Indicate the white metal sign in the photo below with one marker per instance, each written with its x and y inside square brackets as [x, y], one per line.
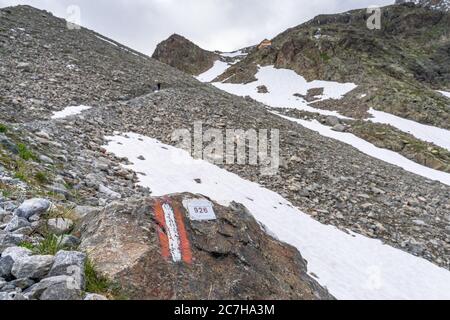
[200, 209]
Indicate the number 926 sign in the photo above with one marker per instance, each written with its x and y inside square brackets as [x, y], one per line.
[200, 210]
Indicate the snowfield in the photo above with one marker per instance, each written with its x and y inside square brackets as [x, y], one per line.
[373, 151]
[218, 68]
[69, 111]
[438, 136]
[233, 54]
[283, 84]
[349, 265]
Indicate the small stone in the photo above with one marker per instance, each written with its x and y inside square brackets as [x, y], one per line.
[55, 288]
[332, 121]
[32, 207]
[69, 241]
[59, 226]
[108, 192]
[339, 128]
[94, 296]
[26, 231]
[24, 66]
[22, 284]
[33, 267]
[46, 159]
[16, 253]
[17, 223]
[70, 263]
[9, 240]
[6, 264]
[141, 158]
[82, 211]
[61, 292]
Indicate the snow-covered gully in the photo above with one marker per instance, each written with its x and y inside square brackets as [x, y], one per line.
[349, 265]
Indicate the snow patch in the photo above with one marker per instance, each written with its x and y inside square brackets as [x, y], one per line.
[233, 54]
[445, 93]
[351, 266]
[218, 68]
[283, 84]
[69, 111]
[438, 136]
[108, 41]
[373, 151]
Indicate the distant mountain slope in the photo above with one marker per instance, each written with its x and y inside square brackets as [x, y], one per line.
[184, 55]
[397, 68]
[442, 5]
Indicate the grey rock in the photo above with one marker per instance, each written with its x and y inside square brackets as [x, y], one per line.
[70, 263]
[6, 264]
[82, 211]
[332, 121]
[60, 283]
[5, 296]
[9, 240]
[32, 207]
[16, 253]
[24, 66]
[69, 241]
[339, 128]
[94, 297]
[26, 231]
[60, 292]
[17, 223]
[33, 267]
[22, 284]
[46, 159]
[108, 192]
[59, 226]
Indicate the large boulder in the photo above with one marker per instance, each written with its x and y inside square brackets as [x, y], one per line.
[32, 267]
[54, 288]
[229, 257]
[70, 263]
[32, 207]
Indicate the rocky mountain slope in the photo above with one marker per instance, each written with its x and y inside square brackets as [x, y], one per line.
[46, 67]
[396, 67]
[184, 55]
[441, 5]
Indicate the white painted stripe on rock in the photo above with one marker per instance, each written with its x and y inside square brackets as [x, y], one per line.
[172, 233]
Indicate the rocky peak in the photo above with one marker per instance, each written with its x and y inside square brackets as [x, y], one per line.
[179, 52]
[441, 5]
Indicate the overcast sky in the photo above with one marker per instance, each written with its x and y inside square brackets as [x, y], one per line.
[223, 25]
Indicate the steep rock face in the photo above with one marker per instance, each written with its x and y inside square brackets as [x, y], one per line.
[397, 68]
[231, 257]
[184, 55]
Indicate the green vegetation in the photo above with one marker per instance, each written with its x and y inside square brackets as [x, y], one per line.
[41, 177]
[96, 283]
[325, 57]
[3, 128]
[49, 246]
[25, 153]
